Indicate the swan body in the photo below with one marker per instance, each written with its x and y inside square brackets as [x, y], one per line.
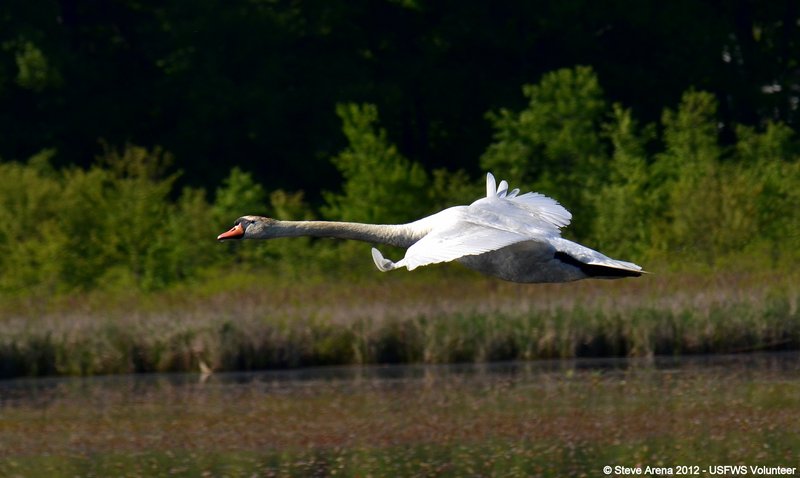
[506, 235]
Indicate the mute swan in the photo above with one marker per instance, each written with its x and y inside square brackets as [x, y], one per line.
[507, 235]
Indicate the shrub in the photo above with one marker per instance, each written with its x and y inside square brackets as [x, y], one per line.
[380, 184]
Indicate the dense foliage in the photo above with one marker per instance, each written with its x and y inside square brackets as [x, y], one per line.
[674, 145]
[254, 83]
[668, 193]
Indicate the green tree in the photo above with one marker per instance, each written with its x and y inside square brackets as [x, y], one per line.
[686, 181]
[30, 239]
[554, 144]
[113, 225]
[238, 196]
[140, 187]
[453, 189]
[380, 184]
[187, 243]
[621, 203]
[769, 165]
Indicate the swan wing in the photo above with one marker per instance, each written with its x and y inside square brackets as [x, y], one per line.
[459, 239]
[590, 256]
[542, 207]
[500, 219]
[538, 206]
[488, 224]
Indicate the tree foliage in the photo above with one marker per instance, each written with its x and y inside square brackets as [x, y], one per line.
[667, 195]
[687, 176]
[111, 225]
[624, 199]
[554, 144]
[380, 184]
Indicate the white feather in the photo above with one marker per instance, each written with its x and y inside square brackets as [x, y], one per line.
[502, 189]
[491, 188]
[459, 239]
[499, 220]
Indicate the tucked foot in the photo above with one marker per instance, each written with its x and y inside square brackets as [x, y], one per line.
[381, 262]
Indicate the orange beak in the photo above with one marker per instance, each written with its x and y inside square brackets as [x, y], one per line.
[236, 232]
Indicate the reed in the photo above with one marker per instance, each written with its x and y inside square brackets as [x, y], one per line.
[246, 322]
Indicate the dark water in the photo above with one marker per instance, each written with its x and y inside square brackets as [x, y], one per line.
[741, 366]
[542, 418]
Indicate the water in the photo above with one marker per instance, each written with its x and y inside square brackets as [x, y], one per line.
[783, 362]
[544, 418]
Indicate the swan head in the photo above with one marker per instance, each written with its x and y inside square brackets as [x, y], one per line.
[248, 227]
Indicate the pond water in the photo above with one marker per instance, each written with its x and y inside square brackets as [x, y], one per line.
[544, 418]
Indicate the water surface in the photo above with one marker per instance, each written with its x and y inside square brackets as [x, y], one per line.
[544, 418]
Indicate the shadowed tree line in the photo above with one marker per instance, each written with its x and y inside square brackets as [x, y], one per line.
[254, 83]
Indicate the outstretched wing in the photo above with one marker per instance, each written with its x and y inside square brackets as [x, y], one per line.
[462, 238]
[591, 257]
[500, 219]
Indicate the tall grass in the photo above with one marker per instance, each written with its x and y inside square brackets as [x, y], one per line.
[250, 322]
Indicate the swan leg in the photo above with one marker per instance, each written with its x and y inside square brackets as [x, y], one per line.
[382, 263]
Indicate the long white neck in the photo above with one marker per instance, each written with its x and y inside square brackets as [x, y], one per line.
[400, 235]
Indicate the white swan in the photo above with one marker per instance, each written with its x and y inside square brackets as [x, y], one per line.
[507, 235]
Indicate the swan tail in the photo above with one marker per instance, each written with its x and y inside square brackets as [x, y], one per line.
[383, 263]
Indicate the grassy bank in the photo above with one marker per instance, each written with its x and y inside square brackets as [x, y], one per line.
[254, 321]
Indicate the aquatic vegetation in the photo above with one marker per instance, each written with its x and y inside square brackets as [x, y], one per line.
[545, 419]
[440, 319]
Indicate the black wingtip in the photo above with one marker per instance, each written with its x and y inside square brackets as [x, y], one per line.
[594, 270]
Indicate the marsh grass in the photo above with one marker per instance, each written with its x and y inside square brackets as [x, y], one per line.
[246, 321]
